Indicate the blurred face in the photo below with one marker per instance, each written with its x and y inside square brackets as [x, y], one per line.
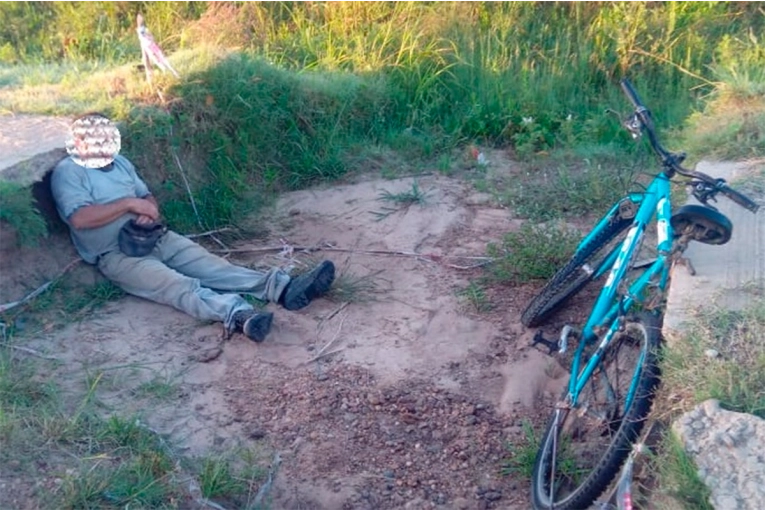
[93, 141]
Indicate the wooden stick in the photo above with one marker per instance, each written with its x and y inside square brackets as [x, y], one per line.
[209, 233]
[266, 487]
[39, 290]
[430, 256]
[323, 321]
[31, 351]
[336, 311]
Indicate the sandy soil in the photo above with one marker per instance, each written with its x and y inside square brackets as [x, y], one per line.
[419, 396]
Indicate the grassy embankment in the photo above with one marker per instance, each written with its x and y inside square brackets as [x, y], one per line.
[280, 96]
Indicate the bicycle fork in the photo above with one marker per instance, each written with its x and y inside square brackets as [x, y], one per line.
[556, 421]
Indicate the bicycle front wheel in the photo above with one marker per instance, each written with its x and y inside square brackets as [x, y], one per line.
[585, 444]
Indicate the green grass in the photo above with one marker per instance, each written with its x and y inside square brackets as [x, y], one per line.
[522, 455]
[400, 201]
[475, 296]
[572, 183]
[66, 300]
[535, 252]
[17, 210]
[690, 375]
[736, 377]
[678, 475]
[231, 475]
[312, 92]
[103, 461]
[413, 196]
[352, 288]
[161, 387]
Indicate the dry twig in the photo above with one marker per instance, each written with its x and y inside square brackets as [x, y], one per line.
[328, 344]
[209, 233]
[266, 487]
[325, 354]
[39, 290]
[30, 351]
[333, 313]
[430, 257]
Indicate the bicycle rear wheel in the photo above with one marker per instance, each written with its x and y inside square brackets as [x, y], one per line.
[572, 278]
[585, 445]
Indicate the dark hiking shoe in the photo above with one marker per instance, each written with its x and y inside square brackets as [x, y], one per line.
[307, 287]
[254, 325]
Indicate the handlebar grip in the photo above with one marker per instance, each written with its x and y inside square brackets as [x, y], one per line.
[631, 94]
[740, 199]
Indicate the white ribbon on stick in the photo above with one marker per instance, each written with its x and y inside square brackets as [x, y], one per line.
[151, 52]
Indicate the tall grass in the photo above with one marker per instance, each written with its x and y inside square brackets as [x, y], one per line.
[305, 88]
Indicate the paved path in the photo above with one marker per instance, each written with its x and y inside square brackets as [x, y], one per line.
[721, 270]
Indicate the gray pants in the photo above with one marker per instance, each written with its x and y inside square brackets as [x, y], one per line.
[183, 274]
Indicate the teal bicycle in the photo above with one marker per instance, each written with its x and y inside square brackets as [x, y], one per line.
[614, 369]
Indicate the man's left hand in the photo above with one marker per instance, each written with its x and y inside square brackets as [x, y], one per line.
[143, 219]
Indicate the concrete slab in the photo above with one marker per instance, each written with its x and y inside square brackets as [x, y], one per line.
[30, 145]
[721, 271]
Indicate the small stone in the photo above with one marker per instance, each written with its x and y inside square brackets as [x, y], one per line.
[297, 443]
[711, 353]
[492, 495]
[461, 504]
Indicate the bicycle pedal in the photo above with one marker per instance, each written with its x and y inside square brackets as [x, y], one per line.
[552, 345]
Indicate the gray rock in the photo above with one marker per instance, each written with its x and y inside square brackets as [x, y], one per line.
[729, 451]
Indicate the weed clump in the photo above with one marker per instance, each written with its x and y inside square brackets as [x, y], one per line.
[17, 210]
[535, 252]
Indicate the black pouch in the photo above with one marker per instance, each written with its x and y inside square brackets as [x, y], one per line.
[138, 240]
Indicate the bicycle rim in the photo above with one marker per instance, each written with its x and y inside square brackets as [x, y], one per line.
[586, 444]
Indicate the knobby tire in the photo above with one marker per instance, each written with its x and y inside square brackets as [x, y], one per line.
[584, 474]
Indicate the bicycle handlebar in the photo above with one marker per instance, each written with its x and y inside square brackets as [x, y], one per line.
[673, 161]
[631, 94]
[739, 198]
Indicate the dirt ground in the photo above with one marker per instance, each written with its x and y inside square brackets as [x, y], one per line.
[415, 396]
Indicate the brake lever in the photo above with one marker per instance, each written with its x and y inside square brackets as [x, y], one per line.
[704, 191]
[634, 125]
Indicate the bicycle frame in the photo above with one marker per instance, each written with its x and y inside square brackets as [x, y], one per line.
[608, 310]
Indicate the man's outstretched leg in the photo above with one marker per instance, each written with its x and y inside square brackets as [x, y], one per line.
[151, 279]
[214, 272]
